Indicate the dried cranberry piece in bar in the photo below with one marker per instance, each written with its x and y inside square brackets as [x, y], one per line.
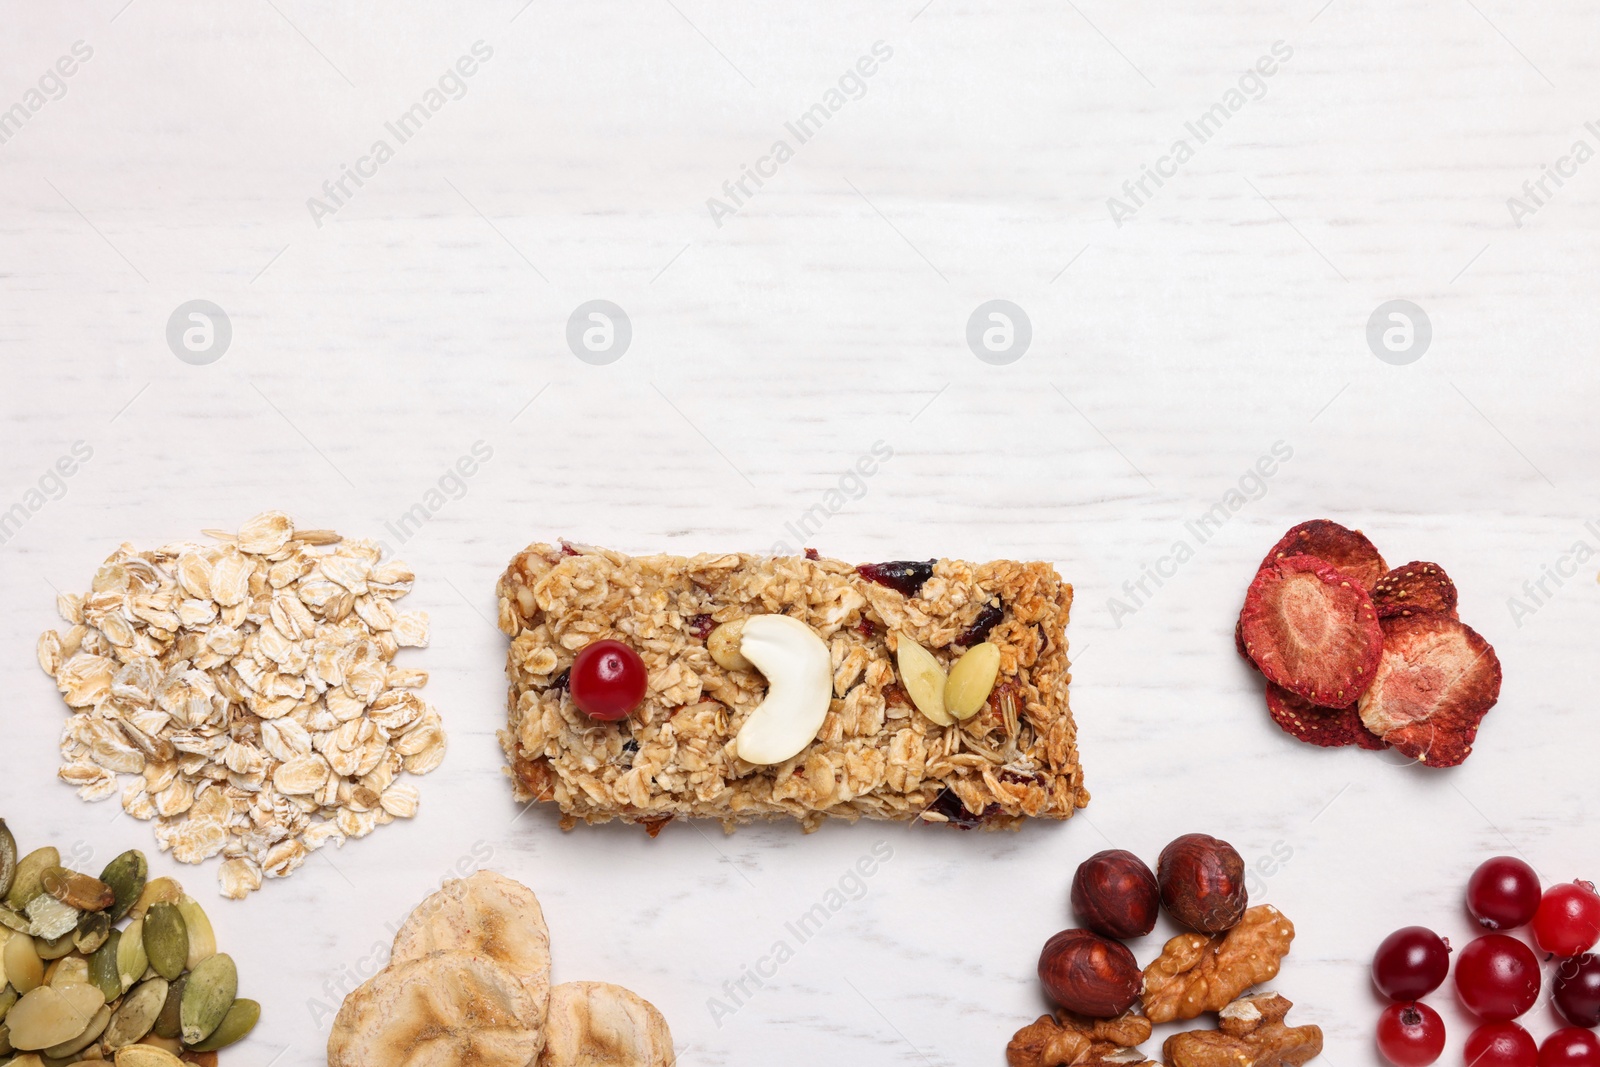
[1339, 546]
[1312, 629]
[1435, 682]
[1418, 588]
[1325, 727]
[700, 625]
[987, 620]
[903, 576]
[949, 805]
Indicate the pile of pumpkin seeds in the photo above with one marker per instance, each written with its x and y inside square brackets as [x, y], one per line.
[74, 988]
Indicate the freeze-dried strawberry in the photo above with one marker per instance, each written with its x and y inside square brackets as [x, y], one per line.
[1238, 643]
[1346, 549]
[1435, 682]
[1327, 727]
[1312, 629]
[1418, 588]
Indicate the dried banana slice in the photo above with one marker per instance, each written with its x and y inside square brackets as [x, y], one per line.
[449, 1009]
[485, 915]
[595, 1024]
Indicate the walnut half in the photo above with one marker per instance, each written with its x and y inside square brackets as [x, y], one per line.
[1253, 1034]
[1195, 974]
[1074, 1041]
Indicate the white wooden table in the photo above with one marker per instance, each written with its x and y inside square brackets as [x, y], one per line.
[378, 336]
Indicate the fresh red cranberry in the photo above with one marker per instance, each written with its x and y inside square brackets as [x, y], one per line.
[1497, 977]
[1410, 1035]
[1411, 963]
[1503, 893]
[608, 680]
[1568, 920]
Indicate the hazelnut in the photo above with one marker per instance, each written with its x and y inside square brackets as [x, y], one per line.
[1114, 893]
[1089, 974]
[1202, 883]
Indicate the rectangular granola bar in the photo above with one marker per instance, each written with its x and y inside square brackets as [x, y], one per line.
[876, 756]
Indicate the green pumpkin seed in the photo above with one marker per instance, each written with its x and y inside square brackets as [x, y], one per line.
[97, 1026]
[93, 929]
[5, 1038]
[24, 970]
[126, 875]
[133, 1020]
[240, 1020]
[54, 948]
[169, 1024]
[8, 858]
[132, 960]
[207, 996]
[77, 890]
[166, 940]
[202, 939]
[103, 966]
[27, 884]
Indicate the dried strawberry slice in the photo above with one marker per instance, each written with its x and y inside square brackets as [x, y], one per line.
[1312, 630]
[1326, 727]
[1435, 682]
[1418, 588]
[1346, 549]
[1238, 643]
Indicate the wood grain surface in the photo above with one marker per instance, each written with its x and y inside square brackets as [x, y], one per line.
[379, 338]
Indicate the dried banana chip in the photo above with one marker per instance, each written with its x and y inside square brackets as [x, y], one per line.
[597, 1023]
[445, 1010]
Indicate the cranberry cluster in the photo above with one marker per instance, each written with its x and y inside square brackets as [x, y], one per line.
[1497, 976]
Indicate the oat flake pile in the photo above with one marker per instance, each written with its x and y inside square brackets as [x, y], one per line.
[249, 689]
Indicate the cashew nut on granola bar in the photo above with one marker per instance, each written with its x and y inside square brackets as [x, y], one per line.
[1196, 974]
[1253, 1034]
[1074, 1041]
[799, 673]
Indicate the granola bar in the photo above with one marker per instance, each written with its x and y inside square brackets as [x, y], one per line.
[876, 756]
